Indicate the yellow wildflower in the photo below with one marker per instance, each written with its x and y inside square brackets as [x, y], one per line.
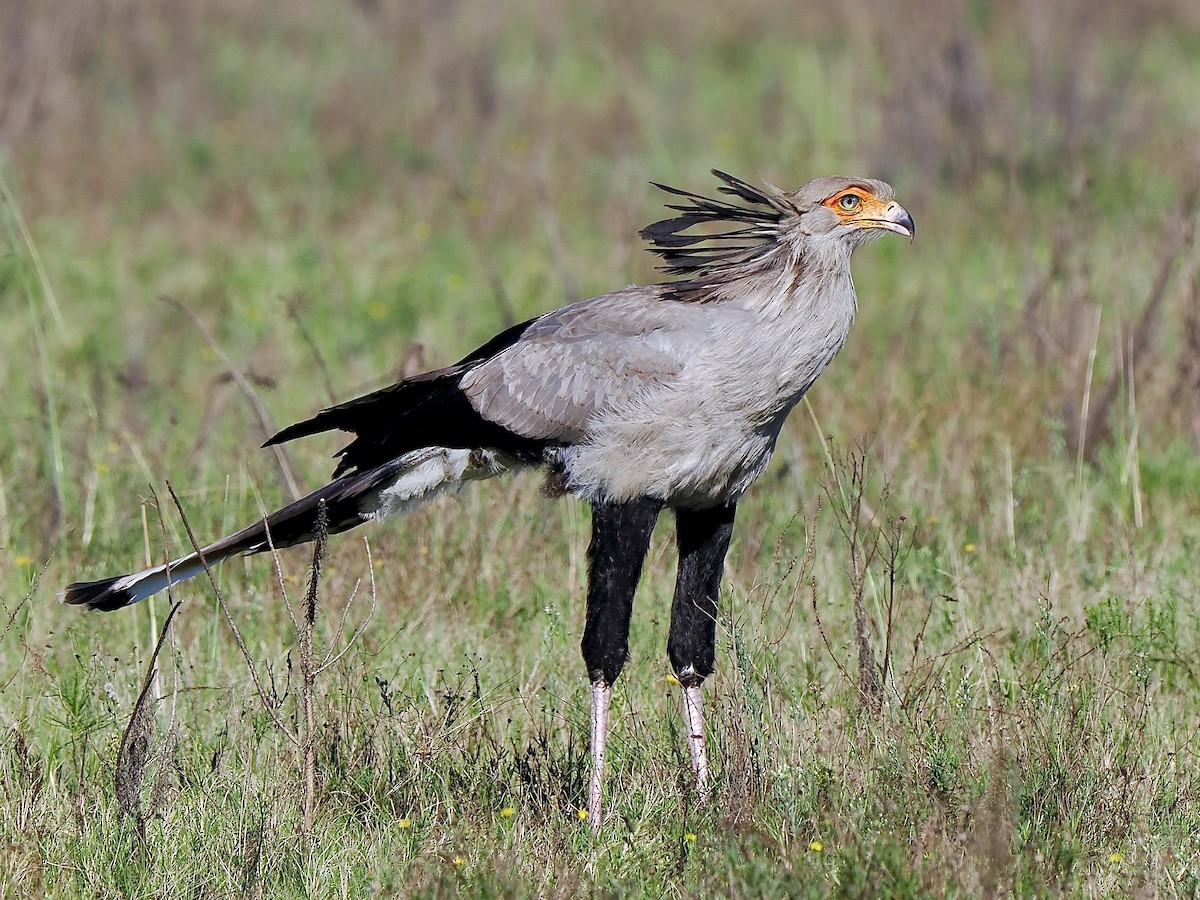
[816, 846]
[508, 812]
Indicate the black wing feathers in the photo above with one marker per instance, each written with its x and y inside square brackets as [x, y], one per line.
[424, 411]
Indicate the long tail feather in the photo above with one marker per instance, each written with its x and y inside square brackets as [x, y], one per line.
[116, 593]
[396, 487]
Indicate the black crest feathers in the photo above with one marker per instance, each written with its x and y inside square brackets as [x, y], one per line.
[750, 231]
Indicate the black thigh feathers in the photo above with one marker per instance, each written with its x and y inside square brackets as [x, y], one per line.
[703, 538]
[620, 538]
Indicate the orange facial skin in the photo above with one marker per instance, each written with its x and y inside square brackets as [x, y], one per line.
[859, 207]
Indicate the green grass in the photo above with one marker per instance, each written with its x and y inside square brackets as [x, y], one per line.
[407, 181]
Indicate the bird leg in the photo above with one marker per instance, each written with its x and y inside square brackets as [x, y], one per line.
[601, 695]
[703, 536]
[693, 721]
[620, 538]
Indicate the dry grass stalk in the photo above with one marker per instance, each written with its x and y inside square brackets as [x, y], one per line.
[286, 476]
[863, 540]
[311, 668]
[22, 779]
[797, 572]
[292, 305]
[1097, 420]
[134, 753]
[267, 702]
[251, 858]
[12, 618]
[741, 712]
[308, 667]
[1185, 393]
[876, 546]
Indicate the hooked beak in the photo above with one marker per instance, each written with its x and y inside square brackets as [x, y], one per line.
[896, 219]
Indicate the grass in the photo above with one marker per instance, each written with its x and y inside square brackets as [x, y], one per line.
[336, 191]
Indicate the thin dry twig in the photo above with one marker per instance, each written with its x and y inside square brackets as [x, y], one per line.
[825, 637]
[268, 705]
[331, 660]
[291, 304]
[135, 742]
[862, 551]
[1185, 392]
[303, 738]
[896, 546]
[930, 670]
[1097, 426]
[12, 618]
[800, 565]
[308, 666]
[287, 476]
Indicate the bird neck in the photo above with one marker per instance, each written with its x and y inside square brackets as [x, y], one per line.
[805, 310]
[807, 282]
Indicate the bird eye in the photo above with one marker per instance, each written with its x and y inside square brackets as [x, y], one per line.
[849, 202]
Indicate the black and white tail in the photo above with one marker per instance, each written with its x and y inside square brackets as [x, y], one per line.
[392, 488]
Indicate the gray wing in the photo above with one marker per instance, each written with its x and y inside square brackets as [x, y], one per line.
[573, 365]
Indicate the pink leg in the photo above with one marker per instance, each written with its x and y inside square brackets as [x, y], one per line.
[693, 720]
[601, 696]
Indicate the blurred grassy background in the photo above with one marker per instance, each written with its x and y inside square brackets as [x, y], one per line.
[342, 192]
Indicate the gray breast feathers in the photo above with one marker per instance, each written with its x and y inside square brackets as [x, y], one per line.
[574, 365]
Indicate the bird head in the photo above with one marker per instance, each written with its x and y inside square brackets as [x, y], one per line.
[823, 220]
[851, 210]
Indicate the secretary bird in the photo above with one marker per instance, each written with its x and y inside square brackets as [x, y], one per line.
[664, 395]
